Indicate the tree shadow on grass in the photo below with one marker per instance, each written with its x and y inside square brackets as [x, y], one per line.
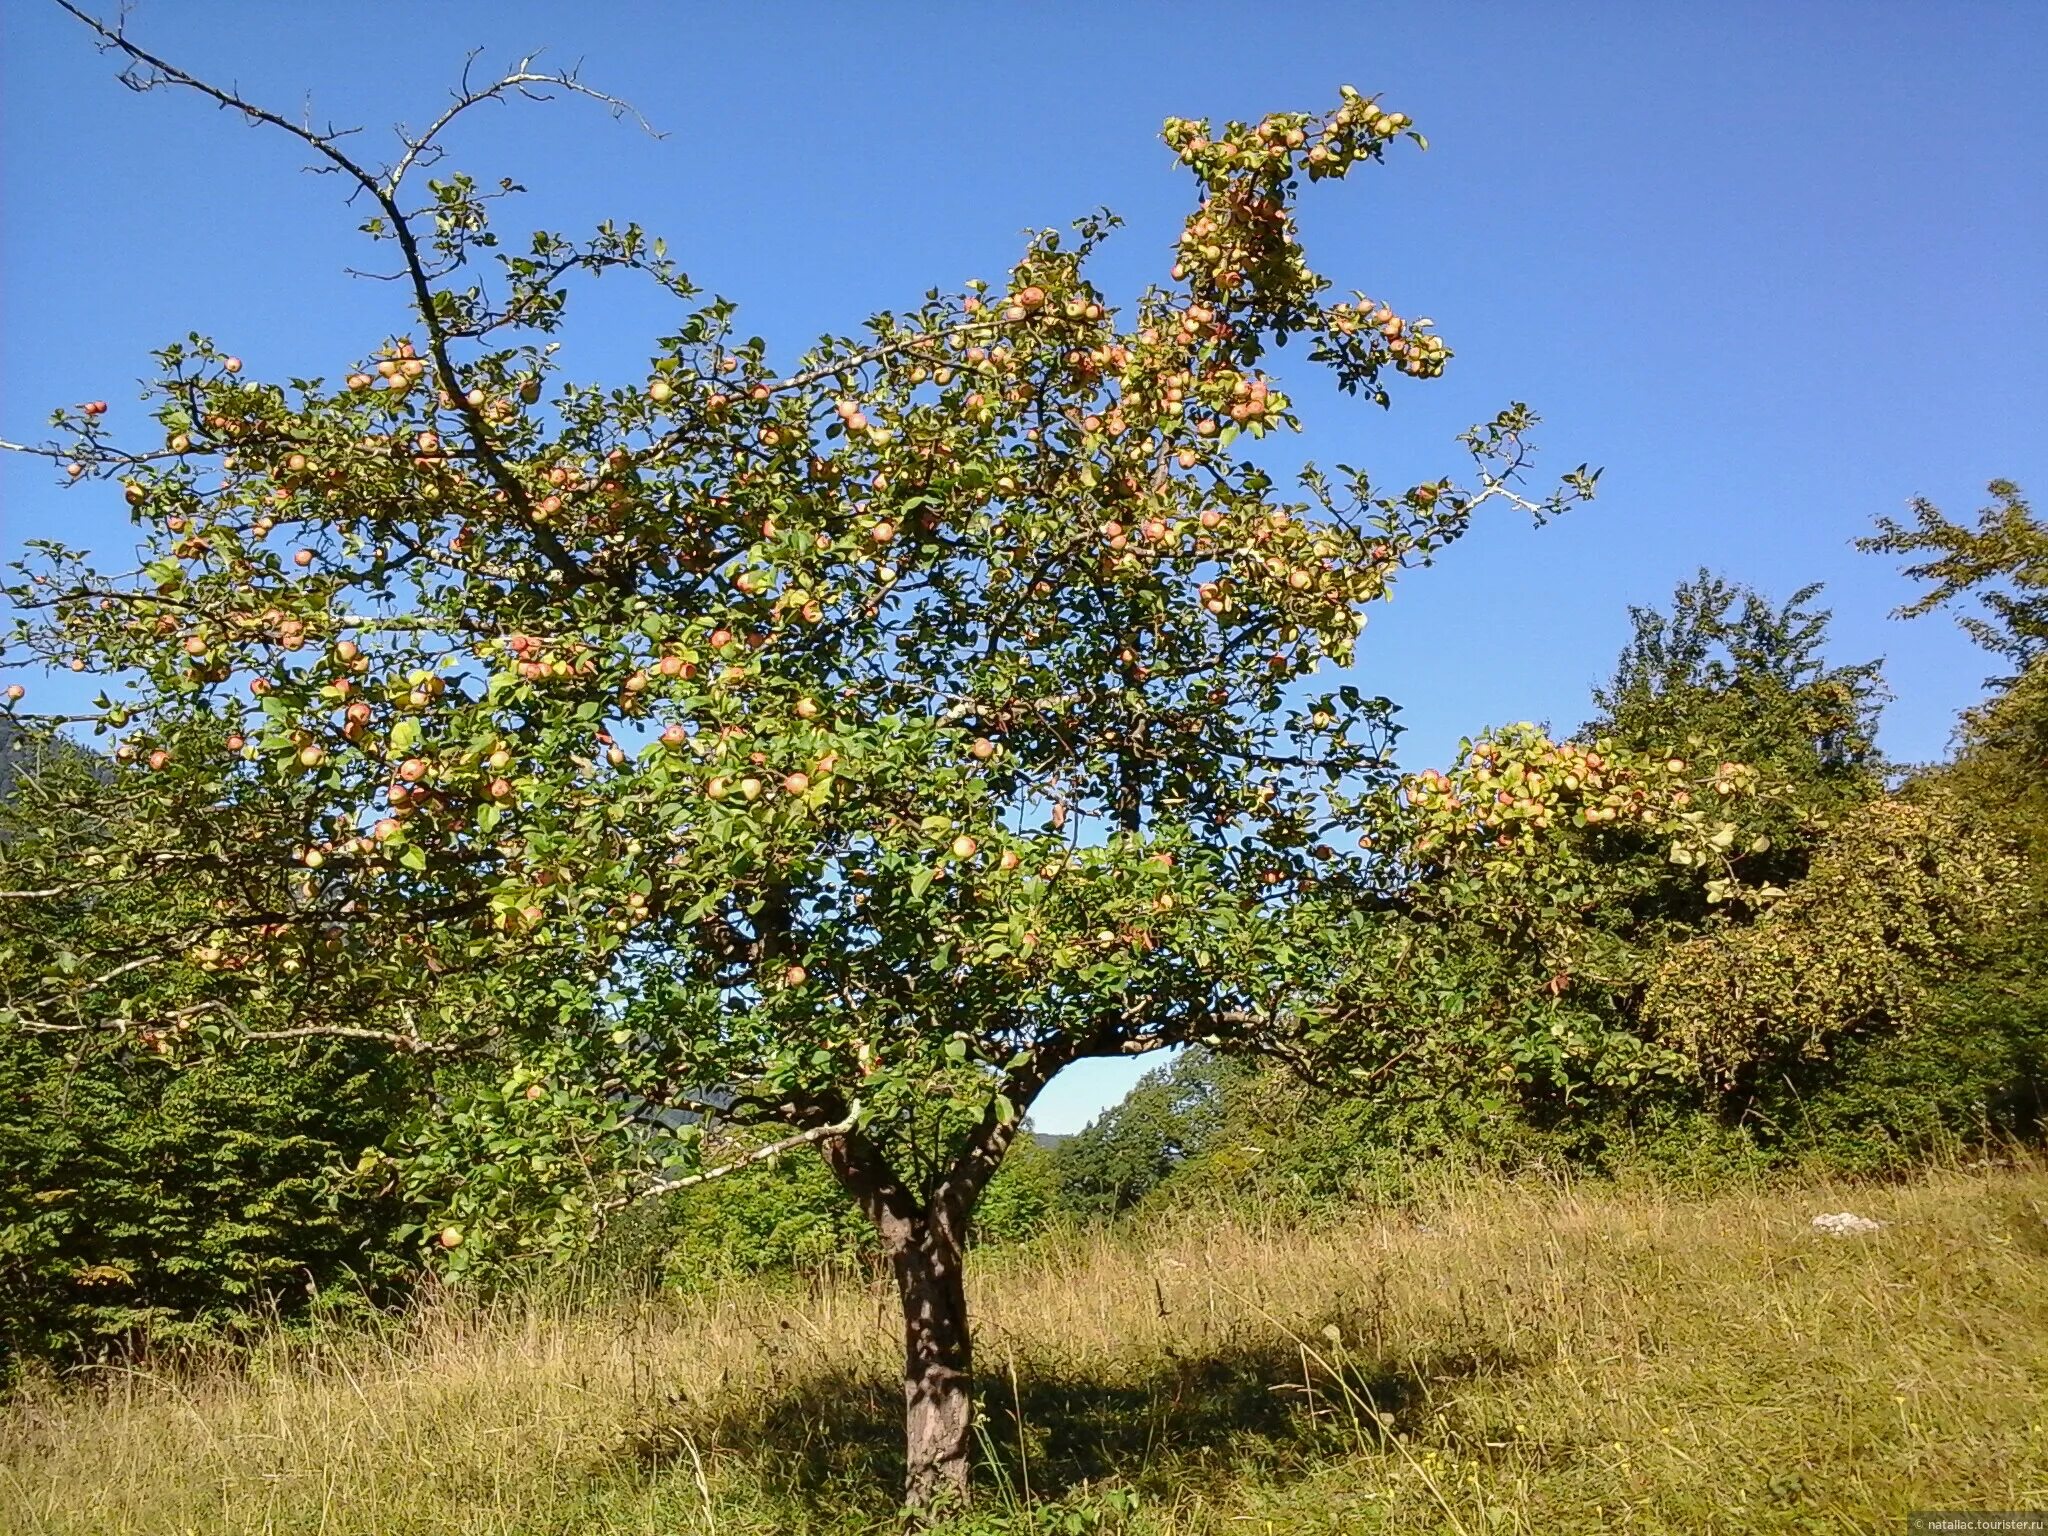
[1263, 1403]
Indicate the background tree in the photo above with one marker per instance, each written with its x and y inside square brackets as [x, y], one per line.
[844, 748]
[1898, 896]
[2002, 563]
[1726, 668]
[1136, 1145]
[143, 1201]
[1995, 1016]
[1558, 961]
[2002, 764]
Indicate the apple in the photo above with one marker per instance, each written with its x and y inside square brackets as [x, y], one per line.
[983, 748]
[965, 847]
[386, 828]
[501, 789]
[232, 364]
[807, 709]
[535, 1091]
[659, 391]
[450, 1237]
[413, 769]
[795, 976]
[1008, 861]
[303, 558]
[750, 788]
[312, 756]
[796, 783]
[674, 735]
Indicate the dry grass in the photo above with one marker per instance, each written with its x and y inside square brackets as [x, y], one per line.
[1506, 1360]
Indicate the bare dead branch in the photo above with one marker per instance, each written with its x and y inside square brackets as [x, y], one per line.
[382, 188]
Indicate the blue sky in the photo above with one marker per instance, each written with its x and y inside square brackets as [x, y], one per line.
[1776, 267]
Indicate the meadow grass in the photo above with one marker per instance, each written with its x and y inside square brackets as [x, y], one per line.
[1497, 1358]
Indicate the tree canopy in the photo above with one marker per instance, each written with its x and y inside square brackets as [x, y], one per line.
[845, 745]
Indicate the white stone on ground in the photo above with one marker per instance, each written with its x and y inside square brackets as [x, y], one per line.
[1846, 1224]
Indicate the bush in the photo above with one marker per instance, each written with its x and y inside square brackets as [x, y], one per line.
[144, 1203]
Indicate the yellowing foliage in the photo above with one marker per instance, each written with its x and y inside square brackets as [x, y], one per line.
[1894, 896]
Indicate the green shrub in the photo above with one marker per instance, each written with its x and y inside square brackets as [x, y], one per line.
[146, 1203]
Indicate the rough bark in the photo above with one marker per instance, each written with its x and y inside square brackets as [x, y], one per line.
[925, 1240]
[938, 1367]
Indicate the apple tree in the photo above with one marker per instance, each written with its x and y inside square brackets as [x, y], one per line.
[841, 746]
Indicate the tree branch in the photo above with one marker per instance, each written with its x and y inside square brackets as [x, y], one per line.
[815, 1134]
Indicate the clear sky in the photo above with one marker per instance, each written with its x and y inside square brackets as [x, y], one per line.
[1778, 267]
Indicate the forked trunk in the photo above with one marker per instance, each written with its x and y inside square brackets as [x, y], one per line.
[938, 1382]
[926, 1241]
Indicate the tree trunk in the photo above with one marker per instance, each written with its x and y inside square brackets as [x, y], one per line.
[926, 1241]
[938, 1381]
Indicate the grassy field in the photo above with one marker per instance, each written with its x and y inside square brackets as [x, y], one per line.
[1502, 1359]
